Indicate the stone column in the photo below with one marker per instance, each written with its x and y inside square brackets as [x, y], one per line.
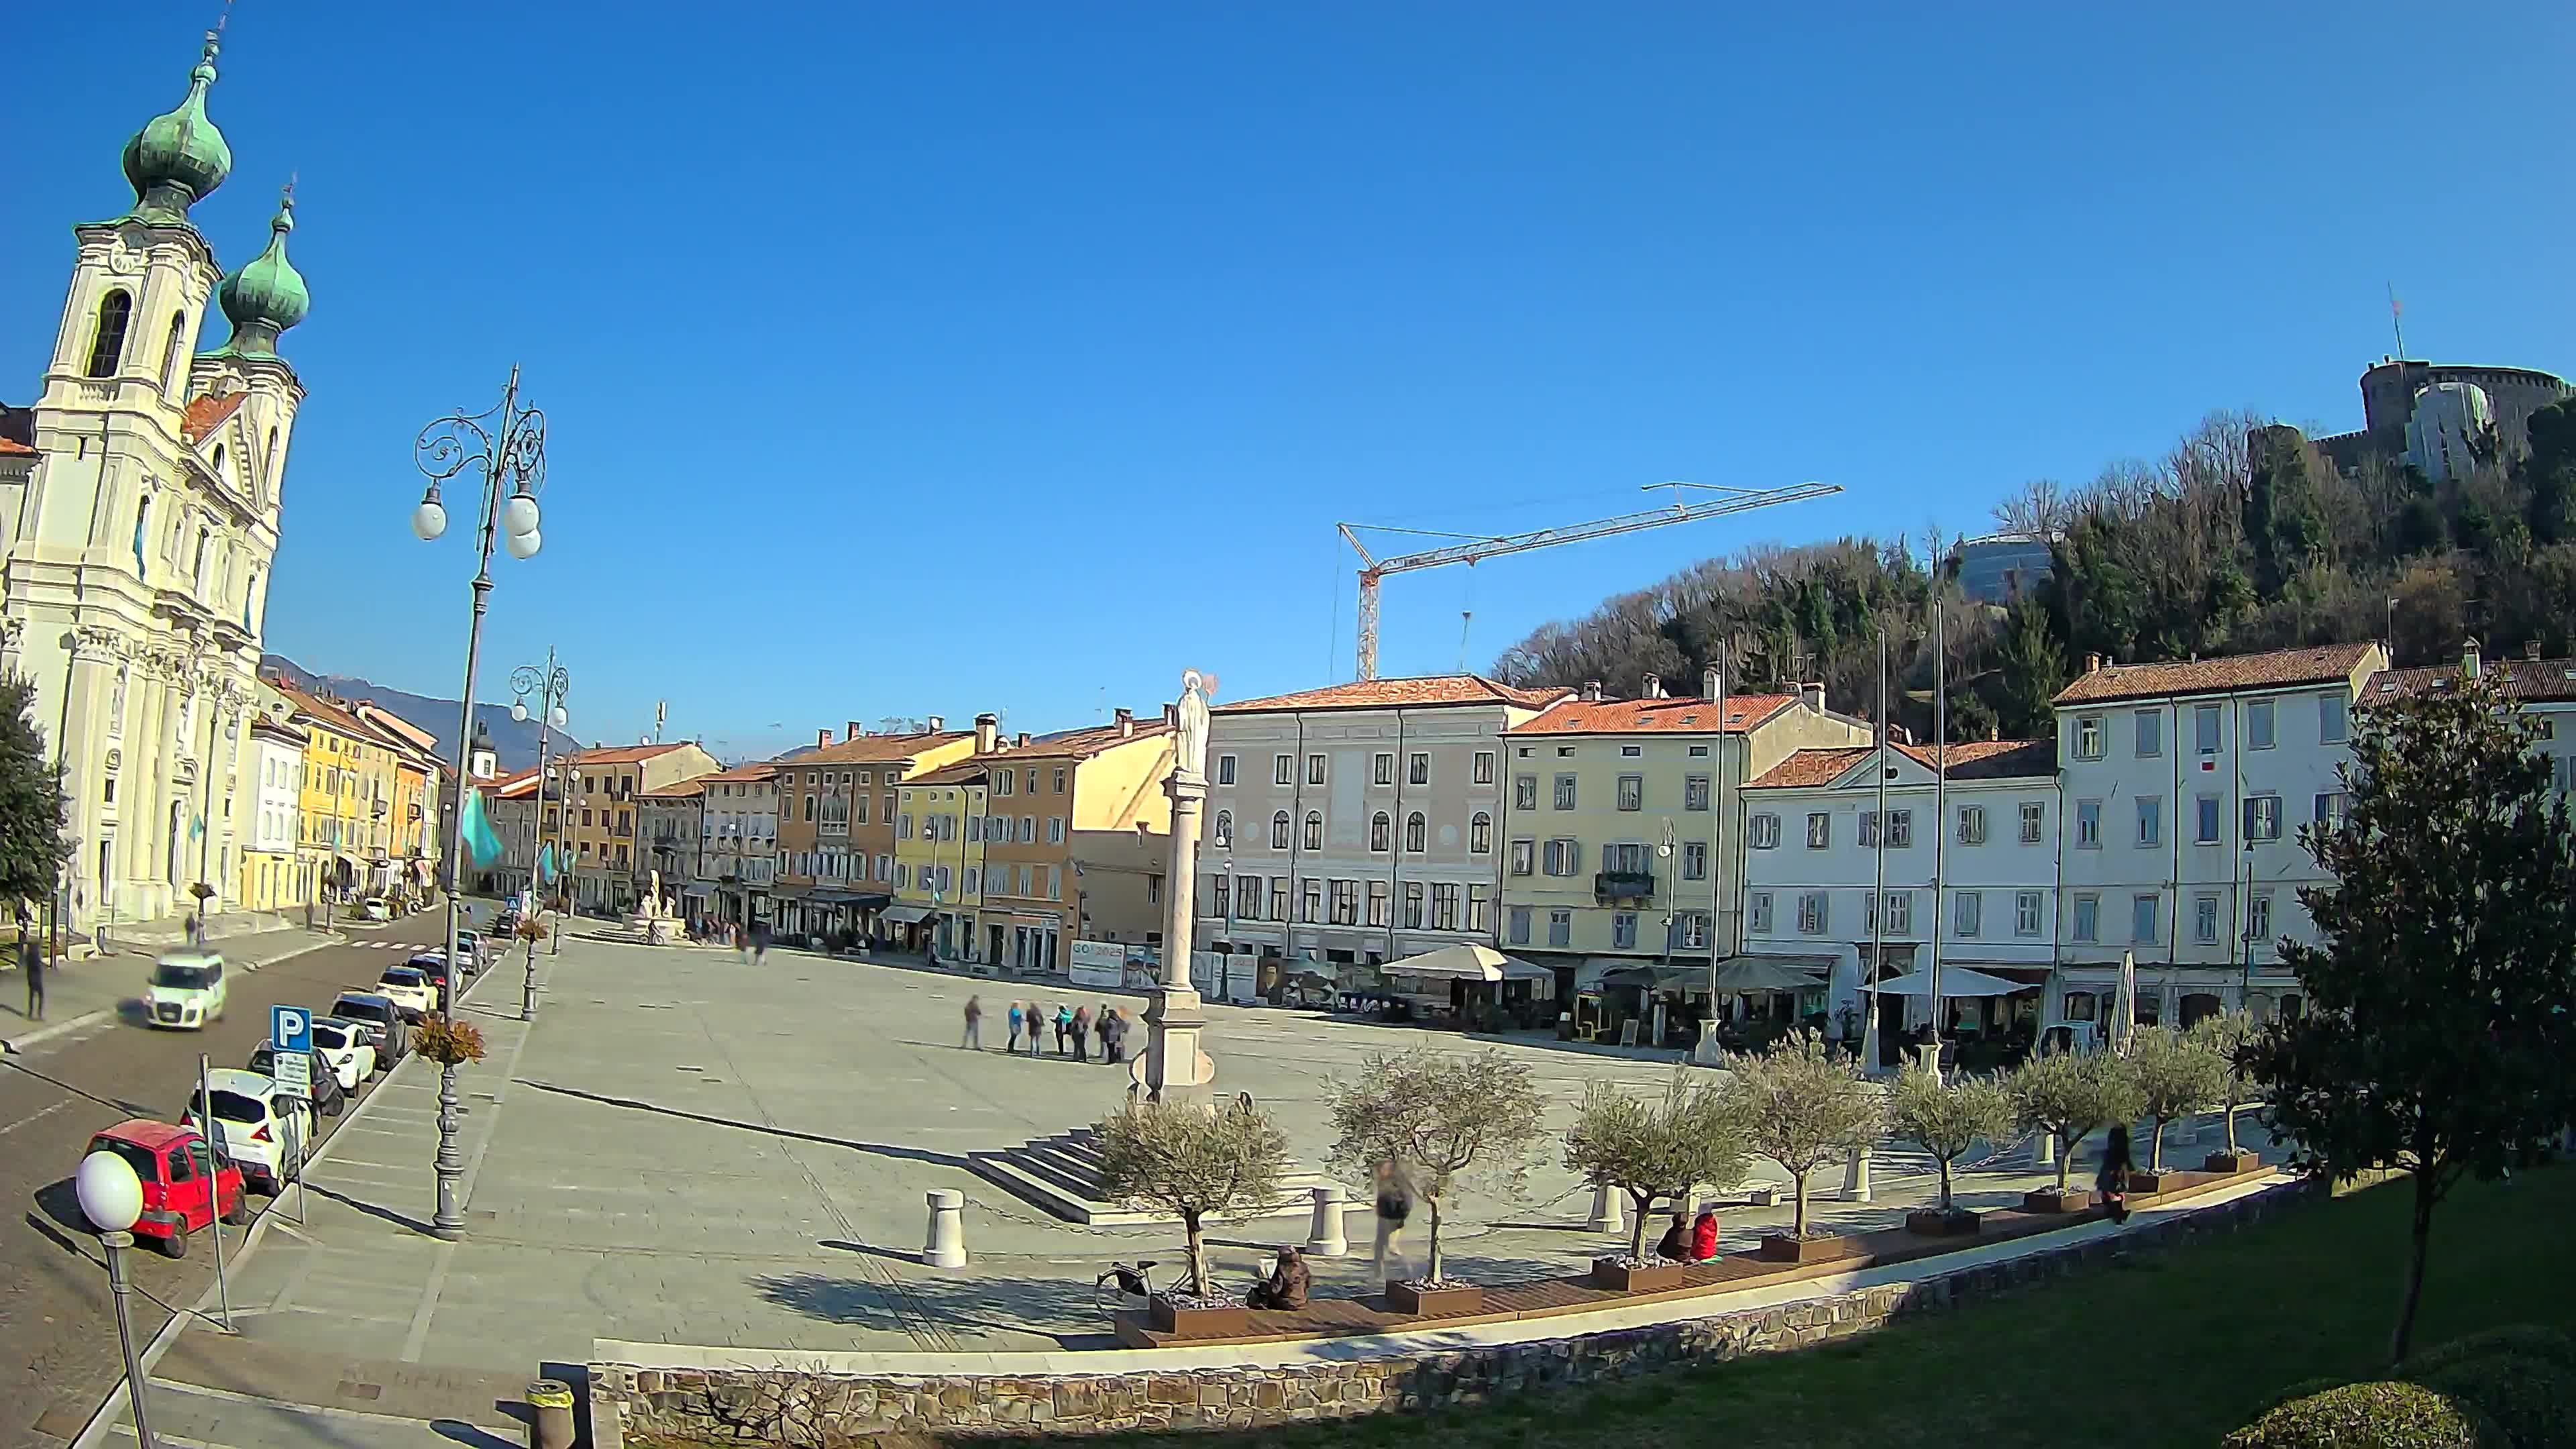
[1173, 1056]
[1856, 1177]
[1609, 1211]
[1324, 1237]
[944, 1246]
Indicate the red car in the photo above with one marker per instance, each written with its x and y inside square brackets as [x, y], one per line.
[177, 1170]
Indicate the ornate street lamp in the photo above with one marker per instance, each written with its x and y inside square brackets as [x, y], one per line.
[506, 446]
[550, 685]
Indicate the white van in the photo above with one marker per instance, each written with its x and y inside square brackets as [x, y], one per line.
[186, 990]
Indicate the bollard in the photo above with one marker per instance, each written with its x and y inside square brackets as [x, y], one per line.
[549, 1414]
[1856, 1177]
[1324, 1237]
[1609, 1211]
[946, 1245]
[2045, 1154]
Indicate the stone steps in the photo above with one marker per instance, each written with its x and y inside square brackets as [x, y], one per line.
[1061, 1175]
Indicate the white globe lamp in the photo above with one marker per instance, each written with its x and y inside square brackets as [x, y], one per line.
[519, 711]
[519, 515]
[111, 1196]
[429, 520]
[523, 545]
[559, 719]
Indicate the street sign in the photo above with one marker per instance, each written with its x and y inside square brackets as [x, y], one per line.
[294, 1073]
[290, 1033]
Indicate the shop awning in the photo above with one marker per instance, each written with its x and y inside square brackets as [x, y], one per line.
[1771, 973]
[1648, 977]
[872, 901]
[1956, 981]
[1467, 962]
[906, 915]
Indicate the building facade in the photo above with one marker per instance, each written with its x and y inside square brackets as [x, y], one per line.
[1305, 856]
[837, 808]
[739, 859]
[672, 821]
[138, 522]
[270, 877]
[609, 862]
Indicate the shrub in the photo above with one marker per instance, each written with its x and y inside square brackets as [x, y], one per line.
[2370, 1416]
[2300, 1390]
[2532, 1401]
[2528, 1340]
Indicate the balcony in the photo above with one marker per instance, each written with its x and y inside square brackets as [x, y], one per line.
[1623, 885]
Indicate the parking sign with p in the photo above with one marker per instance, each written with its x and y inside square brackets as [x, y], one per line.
[290, 1028]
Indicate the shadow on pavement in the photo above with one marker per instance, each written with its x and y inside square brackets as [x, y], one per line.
[1061, 1309]
[881, 1149]
[387, 1214]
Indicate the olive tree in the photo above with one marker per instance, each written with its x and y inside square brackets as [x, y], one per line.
[1803, 1106]
[2177, 1076]
[1194, 1162]
[2224, 1037]
[1946, 1118]
[2068, 1096]
[1661, 1148]
[1446, 1120]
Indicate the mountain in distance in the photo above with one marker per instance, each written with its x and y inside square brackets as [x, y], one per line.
[513, 741]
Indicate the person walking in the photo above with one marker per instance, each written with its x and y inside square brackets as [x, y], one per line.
[1113, 1035]
[974, 1024]
[1037, 1028]
[1016, 1020]
[32, 961]
[2113, 1178]
[1394, 1205]
[1082, 1034]
[1063, 1028]
[759, 942]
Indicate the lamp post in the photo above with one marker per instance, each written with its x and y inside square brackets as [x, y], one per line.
[506, 446]
[111, 1196]
[550, 685]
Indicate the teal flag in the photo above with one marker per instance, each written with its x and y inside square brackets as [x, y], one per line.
[482, 842]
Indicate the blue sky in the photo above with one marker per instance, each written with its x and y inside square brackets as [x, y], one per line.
[929, 359]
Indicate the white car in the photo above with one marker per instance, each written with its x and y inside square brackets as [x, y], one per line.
[408, 988]
[375, 909]
[261, 1127]
[351, 1055]
[186, 990]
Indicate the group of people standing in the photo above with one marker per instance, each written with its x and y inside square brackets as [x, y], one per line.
[1075, 1026]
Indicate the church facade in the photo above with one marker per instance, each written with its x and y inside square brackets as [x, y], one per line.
[141, 516]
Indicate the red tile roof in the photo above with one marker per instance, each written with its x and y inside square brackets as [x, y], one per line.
[679, 790]
[756, 771]
[2279, 669]
[205, 414]
[1429, 690]
[12, 448]
[1968, 760]
[1654, 716]
[1073, 745]
[870, 749]
[2524, 679]
[625, 754]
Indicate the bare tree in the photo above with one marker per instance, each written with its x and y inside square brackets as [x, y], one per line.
[1194, 1162]
[1946, 1118]
[1446, 1119]
[1650, 1149]
[1804, 1105]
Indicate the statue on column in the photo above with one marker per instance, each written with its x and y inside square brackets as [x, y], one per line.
[1172, 1057]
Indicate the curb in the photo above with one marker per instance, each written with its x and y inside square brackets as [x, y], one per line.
[53, 1029]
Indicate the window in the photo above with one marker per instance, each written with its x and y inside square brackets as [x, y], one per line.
[2026, 908]
[1560, 927]
[2088, 824]
[1525, 792]
[2088, 737]
[1059, 779]
[1524, 856]
[1381, 832]
[1631, 751]
[1224, 771]
[1967, 914]
[2151, 820]
[2258, 917]
[2204, 729]
[107, 343]
[1695, 793]
[1757, 910]
[1382, 770]
[1517, 925]
[1314, 830]
[1765, 831]
[1346, 903]
[1900, 913]
[1623, 931]
[1632, 792]
[1900, 828]
[2262, 817]
[1028, 829]
[1377, 903]
[1820, 830]
[1414, 830]
[1565, 792]
[1247, 894]
[1225, 827]
[1312, 912]
[1444, 906]
[1283, 771]
[2330, 807]
[2142, 919]
[1413, 904]
[974, 880]
[809, 805]
[1561, 857]
[1314, 769]
[1480, 833]
[1694, 860]
[2151, 733]
[170, 366]
[2034, 821]
[1813, 913]
[1279, 898]
[1484, 774]
[2258, 725]
[1972, 825]
[2332, 726]
[1221, 896]
[1417, 770]
[1279, 831]
[2088, 916]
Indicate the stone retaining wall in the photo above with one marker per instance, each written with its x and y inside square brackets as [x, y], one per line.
[794, 1405]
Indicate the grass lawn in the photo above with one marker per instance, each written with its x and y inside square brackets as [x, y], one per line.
[2175, 1349]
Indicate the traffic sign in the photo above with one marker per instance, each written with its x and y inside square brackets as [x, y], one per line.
[294, 1073]
[290, 1028]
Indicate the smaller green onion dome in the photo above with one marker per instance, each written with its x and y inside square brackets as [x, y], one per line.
[179, 157]
[267, 295]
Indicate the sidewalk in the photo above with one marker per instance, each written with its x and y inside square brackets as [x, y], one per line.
[89, 992]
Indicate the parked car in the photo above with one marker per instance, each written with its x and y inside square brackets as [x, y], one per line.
[185, 1181]
[433, 964]
[349, 1050]
[407, 988]
[186, 990]
[471, 945]
[329, 1097]
[375, 909]
[392, 1032]
[259, 1126]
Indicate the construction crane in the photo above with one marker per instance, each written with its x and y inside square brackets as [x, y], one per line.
[1471, 549]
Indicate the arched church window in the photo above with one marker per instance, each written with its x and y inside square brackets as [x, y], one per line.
[219, 460]
[170, 351]
[107, 344]
[268, 465]
[205, 539]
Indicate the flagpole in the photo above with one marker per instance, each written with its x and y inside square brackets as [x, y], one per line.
[1940, 788]
[1878, 901]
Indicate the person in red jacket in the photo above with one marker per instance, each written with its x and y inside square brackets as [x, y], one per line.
[1704, 1236]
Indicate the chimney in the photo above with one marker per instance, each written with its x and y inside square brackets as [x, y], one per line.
[1171, 716]
[822, 737]
[1814, 695]
[1654, 686]
[1023, 740]
[2531, 650]
[851, 731]
[1126, 723]
[2092, 663]
[936, 723]
[988, 729]
[1592, 691]
[2469, 657]
[1708, 682]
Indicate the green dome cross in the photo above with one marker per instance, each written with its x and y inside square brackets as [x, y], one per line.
[179, 156]
[267, 295]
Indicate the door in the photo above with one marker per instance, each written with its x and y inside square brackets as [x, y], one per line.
[201, 1203]
[182, 1187]
[995, 955]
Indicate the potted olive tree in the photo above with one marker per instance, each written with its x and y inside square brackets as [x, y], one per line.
[1649, 1150]
[1803, 1106]
[1945, 1119]
[2177, 1076]
[1447, 1121]
[2225, 1036]
[1194, 1162]
[2068, 1097]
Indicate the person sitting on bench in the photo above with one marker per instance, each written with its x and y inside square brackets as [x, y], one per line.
[1287, 1285]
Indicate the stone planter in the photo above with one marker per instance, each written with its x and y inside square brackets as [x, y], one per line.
[1226, 1322]
[1618, 1277]
[1958, 1222]
[2050, 1200]
[2143, 1183]
[1780, 1248]
[1449, 1298]
[2232, 1162]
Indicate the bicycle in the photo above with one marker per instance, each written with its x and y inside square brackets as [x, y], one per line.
[1125, 1285]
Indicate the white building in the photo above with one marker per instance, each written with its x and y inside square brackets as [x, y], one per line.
[2184, 786]
[1295, 782]
[1983, 889]
[274, 822]
[2545, 688]
[138, 541]
[739, 864]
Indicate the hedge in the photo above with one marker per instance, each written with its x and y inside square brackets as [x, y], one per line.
[2532, 1400]
[2371, 1416]
[2525, 1340]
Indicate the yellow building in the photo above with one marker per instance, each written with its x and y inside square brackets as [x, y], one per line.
[345, 828]
[938, 863]
[413, 830]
